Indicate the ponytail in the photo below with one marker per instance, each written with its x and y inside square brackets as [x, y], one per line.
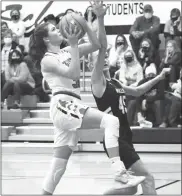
[37, 47]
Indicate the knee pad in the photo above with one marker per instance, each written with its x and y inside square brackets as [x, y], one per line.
[56, 171]
[111, 125]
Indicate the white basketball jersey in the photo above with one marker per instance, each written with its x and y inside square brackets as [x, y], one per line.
[59, 83]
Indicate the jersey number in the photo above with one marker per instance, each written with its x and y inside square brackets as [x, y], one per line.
[122, 105]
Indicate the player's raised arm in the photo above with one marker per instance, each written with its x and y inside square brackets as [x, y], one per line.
[98, 80]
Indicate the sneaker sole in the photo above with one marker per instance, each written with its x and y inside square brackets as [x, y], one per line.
[129, 184]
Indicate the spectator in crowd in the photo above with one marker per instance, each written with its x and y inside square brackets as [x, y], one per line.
[172, 29]
[18, 79]
[68, 11]
[146, 26]
[149, 105]
[116, 55]
[7, 45]
[52, 19]
[35, 70]
[147, 54]
[22, 49]
[17, 26]
[172, 106]
[130, 72]
[4, 27]
[172, 59]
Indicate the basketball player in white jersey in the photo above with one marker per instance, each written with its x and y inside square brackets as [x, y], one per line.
[109, 95]
[61, 70]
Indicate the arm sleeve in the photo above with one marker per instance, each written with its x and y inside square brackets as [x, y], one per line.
[176, 59]
[134, 27]
[177, 32]
[7, 74]
[156, 26]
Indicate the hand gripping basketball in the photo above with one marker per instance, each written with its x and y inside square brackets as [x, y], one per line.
[71, 34]
[73, 19]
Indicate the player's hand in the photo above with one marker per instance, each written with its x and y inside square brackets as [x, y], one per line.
[164, 72]
[98, 8]
[72, 33]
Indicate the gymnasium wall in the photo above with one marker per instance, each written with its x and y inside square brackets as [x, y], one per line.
[119, 18]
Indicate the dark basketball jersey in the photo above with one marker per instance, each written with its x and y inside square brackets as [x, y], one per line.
[113, 102]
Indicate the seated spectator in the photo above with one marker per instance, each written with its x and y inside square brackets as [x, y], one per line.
[146, 26]
[7, 45]
[18, 79]
[116, 55]
[35, 70]
[172, 59]
[17, 26]
[52, 19]
[172, 29]
[149, 105]
[172, 106]
[146, 54]
[4, 27]
[130, 72]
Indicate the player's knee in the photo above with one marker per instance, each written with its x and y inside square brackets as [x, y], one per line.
[109, 121]
[149, 176]
[57, 169]
[111, 126]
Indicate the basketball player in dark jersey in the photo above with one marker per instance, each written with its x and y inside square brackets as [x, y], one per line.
[109, 95]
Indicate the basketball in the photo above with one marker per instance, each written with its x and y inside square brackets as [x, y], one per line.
[75, 20]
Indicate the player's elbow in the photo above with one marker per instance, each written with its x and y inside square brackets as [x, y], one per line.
[96, 45]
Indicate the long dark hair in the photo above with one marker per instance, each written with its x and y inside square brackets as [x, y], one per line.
[37, 46]
[175, 45]
[125, 41]
[151, 51]
[86, 15]
[18, 53]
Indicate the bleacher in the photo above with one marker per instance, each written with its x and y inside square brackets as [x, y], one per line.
[32, 124]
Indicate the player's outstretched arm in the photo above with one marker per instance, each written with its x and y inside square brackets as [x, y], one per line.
[98, 80]
[142, 89]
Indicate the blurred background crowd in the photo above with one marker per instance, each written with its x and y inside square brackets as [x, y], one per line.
[132, 61]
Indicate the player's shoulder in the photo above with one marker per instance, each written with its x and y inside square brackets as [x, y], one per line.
[116, 82]
[48, 61]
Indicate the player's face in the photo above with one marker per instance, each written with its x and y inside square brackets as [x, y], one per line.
[54, 35]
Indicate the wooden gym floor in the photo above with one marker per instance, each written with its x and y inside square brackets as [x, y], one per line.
[87, 173]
